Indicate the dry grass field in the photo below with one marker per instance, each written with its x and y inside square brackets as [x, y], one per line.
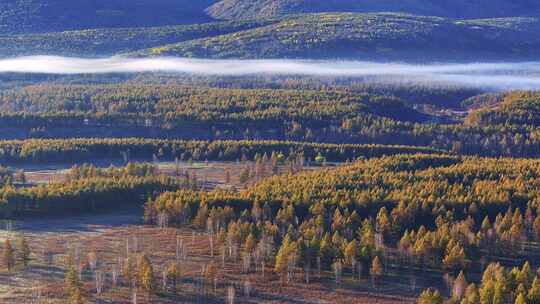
[106, 239]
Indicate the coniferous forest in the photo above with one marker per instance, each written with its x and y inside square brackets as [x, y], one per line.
[235, 151]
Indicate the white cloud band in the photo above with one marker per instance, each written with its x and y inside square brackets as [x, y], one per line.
[524, 75]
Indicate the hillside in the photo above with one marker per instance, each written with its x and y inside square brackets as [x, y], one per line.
[30, 16]
[378, 36]
[109, 41]
[370, 36]
[517, 108]
[234, 9]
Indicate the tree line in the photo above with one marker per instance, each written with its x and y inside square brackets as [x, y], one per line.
[76, 150]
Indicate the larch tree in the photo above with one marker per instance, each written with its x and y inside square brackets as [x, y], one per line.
[73, 285]
[460, 284]
[471, 295]
[430, 296]
[350, 253]
[376, 270]
[146, 275]
[9, 255]
[520, 299]
[533, 296]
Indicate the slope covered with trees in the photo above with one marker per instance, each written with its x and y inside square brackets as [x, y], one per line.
[272, 29]
[517, 108]
[330, 35]
[370, 36]
[109, 41]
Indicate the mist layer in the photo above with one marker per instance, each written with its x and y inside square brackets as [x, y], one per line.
[524, 75]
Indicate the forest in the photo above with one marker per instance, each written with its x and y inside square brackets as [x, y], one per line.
[126, 149]
[464, 228]
[444, 214]
[269, 151]
[506, 128]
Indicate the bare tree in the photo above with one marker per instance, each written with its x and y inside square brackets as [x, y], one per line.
[231, 294]
[338, 269]
[164, 278]
[163, 220]
[115, 271]
[99, 280]
[359, 270]
[246, 263]
[211, 238]
[37, 294]
[134, 296]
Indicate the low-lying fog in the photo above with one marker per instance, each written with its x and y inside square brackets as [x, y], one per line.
[503, 75]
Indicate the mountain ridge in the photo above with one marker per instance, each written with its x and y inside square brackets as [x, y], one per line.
[462, 9]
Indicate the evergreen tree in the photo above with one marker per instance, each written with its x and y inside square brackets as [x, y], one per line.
[533, 295]
[487, 292]
[73, 285]
[146, 275]
[282, 256]
[471, 295]
[250, 243]
[499, 294]
[350, 253]
[76, 297]
[383, 221]
[520, 299]
[460, 284]
[376, 269]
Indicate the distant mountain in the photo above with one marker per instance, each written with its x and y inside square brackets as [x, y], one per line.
[272, 29]
[370, 36]
[40, 16]
[31, 16]
[462, 9]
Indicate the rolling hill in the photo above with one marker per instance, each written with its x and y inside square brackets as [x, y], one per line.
[234, 9]
[272, 29]
[31, 16]
[370, 36]
[109, 41]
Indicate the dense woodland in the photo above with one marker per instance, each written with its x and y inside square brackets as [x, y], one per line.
[468, 226]
[362, 188]
[442, 214]
[506, 127]
[87, 190]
